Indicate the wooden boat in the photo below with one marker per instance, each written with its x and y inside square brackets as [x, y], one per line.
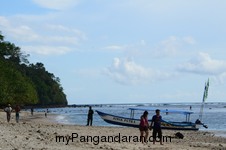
[132, 122]
[185, 125]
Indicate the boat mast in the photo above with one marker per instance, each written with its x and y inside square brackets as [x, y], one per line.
[205, 94]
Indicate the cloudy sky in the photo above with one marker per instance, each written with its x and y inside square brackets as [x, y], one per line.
[124, 51]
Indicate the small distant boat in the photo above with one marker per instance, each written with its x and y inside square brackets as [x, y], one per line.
[131, 122]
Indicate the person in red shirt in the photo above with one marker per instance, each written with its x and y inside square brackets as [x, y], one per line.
[144, 127]
[17, 110]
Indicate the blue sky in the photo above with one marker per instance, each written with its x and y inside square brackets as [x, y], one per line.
[130, 51]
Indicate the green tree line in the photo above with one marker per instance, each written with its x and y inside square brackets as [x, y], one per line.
[25, 83]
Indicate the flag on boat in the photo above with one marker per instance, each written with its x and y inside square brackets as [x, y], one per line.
[206, 90]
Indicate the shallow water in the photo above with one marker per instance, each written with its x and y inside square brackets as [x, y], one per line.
[213, 116]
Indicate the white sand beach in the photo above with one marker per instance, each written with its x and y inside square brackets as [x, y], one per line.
[38, 132]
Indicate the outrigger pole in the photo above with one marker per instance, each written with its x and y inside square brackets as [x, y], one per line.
[205, 94]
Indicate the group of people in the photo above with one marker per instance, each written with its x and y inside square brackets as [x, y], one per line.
[144, 126]
[8, 111]
[155, 126]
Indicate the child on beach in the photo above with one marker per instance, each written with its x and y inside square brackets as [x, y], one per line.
[8, 111]
[156, 119]
[144, 127]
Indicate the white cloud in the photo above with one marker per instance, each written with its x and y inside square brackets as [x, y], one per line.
[189, 40]
[64, 29]
[129, 48]
[168, 46]
[23, 33]
[56, 4]
[66, 40]
[179, 95]
[115, 47]
[44, 39]
[4, 22]
[204, 64]
[172, 46]
[143, 42]
[126, 71]
[46, 50]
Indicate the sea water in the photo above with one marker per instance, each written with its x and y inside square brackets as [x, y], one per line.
[214, 114]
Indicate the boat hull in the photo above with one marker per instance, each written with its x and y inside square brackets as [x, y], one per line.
[129, 122]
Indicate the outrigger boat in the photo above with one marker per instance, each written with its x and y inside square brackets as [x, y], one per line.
[132, 122]
[185, 125]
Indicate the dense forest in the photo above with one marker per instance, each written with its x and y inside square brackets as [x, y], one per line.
[25, 83]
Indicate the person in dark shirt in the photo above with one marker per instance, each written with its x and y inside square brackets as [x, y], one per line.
[156, 120]
[90, 117]
[32, 110]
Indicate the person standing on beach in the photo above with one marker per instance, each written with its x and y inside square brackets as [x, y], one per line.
[143, 127]
[156, 120]
[17, 110]
[32, 110]
[90, 117]
[46, 112]
[8, 111]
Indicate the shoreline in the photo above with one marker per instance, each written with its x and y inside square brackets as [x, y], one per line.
[55, 115]
[38, 132]
[218, 133]
[52, 119]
